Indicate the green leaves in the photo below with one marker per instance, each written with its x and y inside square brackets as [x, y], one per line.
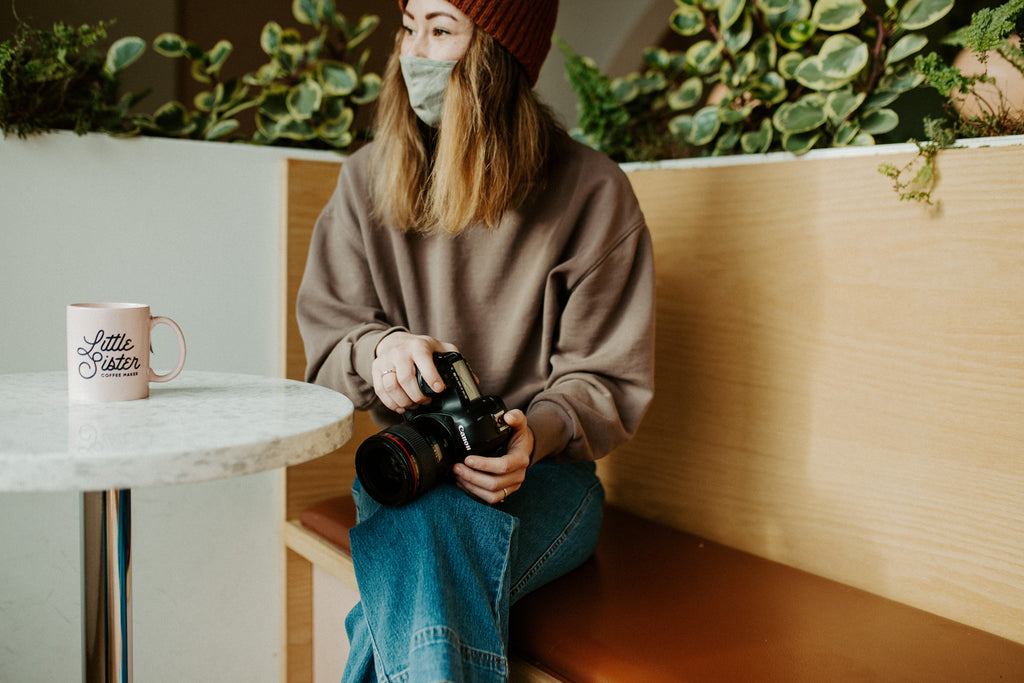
[173, 45]
[206, 66]
[122, 54]
[841, 104]
[357, 33]
[793, 36]
[841, 59]
[55, 79]
[605, 122]
[909, 44]
[729, 11]
[336, 78]
[763, 75]
[305, 95]
[801, 116]
[687, 20]
[757, 141]
[879, 121]
[687, 95]
[991, 111]
[837, 15]
[918, 14]
[322, 14]
[705, 126]
[307, 12]
[304, 99]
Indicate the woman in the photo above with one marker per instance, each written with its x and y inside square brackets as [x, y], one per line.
[475, 224]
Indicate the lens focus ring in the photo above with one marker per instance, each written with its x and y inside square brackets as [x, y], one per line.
[397, 464]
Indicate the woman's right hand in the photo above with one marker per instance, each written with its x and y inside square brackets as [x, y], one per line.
[399, 356]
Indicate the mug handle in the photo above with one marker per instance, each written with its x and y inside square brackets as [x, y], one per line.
[153, 322]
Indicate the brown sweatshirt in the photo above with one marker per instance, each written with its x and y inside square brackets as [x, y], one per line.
[554, 309]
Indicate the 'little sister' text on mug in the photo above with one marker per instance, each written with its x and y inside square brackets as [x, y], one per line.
[101, 355]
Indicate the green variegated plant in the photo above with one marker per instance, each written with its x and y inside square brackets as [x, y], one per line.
[214, 116]
[758, 76]
[305, 95]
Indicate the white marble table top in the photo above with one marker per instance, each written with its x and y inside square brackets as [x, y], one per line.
[197, 427]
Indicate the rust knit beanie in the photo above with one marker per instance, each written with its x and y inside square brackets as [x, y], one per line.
[523, 27]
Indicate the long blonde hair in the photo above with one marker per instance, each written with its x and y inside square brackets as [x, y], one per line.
[489, 151]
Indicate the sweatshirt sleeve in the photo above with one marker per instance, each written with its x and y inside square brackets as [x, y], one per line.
[602, 367]
[339, 315]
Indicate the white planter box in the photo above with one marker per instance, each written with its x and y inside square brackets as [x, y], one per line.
[192, 229]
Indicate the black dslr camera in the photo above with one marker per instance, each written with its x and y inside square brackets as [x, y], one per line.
[407, 459]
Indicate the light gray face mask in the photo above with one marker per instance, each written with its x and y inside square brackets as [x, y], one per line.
[426, 81]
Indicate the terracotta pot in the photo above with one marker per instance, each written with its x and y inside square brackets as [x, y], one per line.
[986, 96]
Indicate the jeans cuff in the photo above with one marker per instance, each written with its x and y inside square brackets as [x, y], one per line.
[437, 652]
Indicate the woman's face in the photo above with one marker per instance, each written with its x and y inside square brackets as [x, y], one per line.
[434, 29]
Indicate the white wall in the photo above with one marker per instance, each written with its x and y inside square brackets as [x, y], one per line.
[193, 230]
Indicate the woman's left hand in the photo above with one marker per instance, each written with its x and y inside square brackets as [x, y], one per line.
[494, 479]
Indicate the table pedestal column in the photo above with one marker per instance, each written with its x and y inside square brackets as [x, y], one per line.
[107, 586]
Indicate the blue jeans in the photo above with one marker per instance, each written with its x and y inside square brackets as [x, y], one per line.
[437, 576]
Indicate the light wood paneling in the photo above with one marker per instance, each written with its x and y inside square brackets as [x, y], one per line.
[840, 376]
[298, 623]
[320, 552]
[307, 186]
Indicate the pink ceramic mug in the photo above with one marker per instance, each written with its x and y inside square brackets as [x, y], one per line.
[108, 351]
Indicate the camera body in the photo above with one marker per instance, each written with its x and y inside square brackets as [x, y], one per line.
[405, 460]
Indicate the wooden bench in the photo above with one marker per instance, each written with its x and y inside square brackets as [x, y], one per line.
[829, 483]
[658, 605]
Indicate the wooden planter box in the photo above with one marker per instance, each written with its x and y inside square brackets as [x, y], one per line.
[841, 374]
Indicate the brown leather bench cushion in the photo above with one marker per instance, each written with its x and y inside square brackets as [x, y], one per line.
[656, 604]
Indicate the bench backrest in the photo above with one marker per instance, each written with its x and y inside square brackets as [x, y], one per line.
[840, 376]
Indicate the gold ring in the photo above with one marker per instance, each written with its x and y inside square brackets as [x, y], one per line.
[387, 372]
[505, 491]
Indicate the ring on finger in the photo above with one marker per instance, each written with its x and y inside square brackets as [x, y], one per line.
[388, 372]
[504, 491]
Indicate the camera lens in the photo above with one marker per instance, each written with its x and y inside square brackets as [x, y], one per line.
[398, 464]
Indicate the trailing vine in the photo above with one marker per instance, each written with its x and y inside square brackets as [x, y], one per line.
[915, 181]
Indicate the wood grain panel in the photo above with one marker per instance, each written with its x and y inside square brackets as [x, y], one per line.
[307, 187]
[840, 376]
[320, 552]
[298, 625]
